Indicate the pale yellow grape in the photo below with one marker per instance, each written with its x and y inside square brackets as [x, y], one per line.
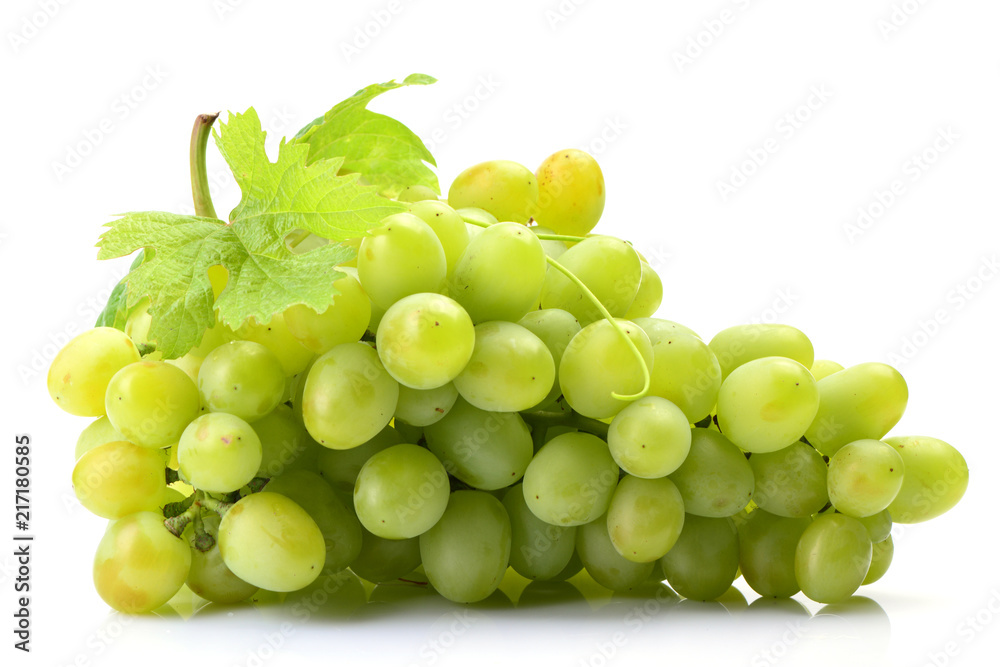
[823, 367]
[556, 328]
[685, 372]
[399, 258]
[242, 378]
[649, 295]
[552, 248]
[188, 363]
[151, 403]
[650, 438]
[219, 452]
[212, 338]
[935, 479]
[79, 375]
[423, 407]
[571, 192]
[833, 557]
[276, 337]
[505, 189]
[401, 492]
[657, 328]
[343, 321]
[118, 478]
[538, 550]
[471, 214]
[737, 345]
[602, 560]
[447, 225]
[97, 433]
[645, 518]
[864, 477]
[571, 480]
[609, 267]
[415, 193]
[715, 479]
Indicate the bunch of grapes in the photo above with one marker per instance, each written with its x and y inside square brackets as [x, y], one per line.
[490, 389]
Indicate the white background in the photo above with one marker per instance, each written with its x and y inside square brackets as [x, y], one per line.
[117, 84]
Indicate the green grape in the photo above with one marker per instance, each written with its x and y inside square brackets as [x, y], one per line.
[415, 193]
[447, 225]
[832, 558]
[649, 295]
[935, 479]
[602, 560]
[425, 340]
[657, 328]
[510, 369]
[423, 407]
[767, 404]
[598, 363]
[571, 480]
[139, 565]
[486, 450]
[505, 189]
[137, 328]
[685, 372]
[378, 312]
[402, 257]
[276, 337]
[382, 560]
[650, 438]
[645, 518]
[340, 467]
[881, 560]
[476, 219]
[552, 248]
[500, 274]
[609, 267]
[268, 541]
[344, 321]
[556, 328]
[538, 550]
[218, 334]
[715, 479]
[704, 561]
[151, 403]
[878, 525]
[242, 378]
[334, 596]
[858, 403]
[283, 442]
[737, 345]
[864, 477]
[340, 527]
[767, 552]
[219, 453]
[118, 478]
[209, 577]
[465, 554]
[790, 482]
[348, 397]
[189, 363]
[401, 492]
[821, 368]
[97, 433]
[79, 375]
[570, 192]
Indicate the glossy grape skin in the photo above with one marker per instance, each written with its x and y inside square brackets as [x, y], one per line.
[658, 328]
[882, 553]
[571, 480]
[703, 562]
[423, 407]
[602, 560]
[415, 193]
[685, 371]
[399, 258]
[284, 442]
[650, 438]
[115, 479]
[343, 321]
[645, 518]
[505, 189]
[822, 368]
[241, 378]
[382, 560]
[790, 482]
[447, 225]
[151, 403]
[539, 550]
[715, 479]
[768, 546]
[609, 267]
[832, 558]
[139, 564]
[96, 433]
[401, 492]
[277, 337]
[219, 453]
[864, 477]
[340, 467]
[571, 192]
[935, 478]
[648, 297]
[556, 328]
[79, 375]
[738, 345]
[209, 577]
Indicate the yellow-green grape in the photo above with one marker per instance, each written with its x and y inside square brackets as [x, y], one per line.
[649, 296]
[737, 345]
[276, 337]
[118, 478]
[935, 479]
[650, 438]
[340, 467]
[645, 518]
[767, 552]
[878, 525]
[554, 249]
[510, 369]
[571, 480]
[415, 193]
[97, 433]
[401, 492]
[402, 257]
[218, 335]
[570, 192]
[382, 560]
[423, 407]
[465, 554]
[715, 479]
[864, 477]
[833, 557]
[219, 453]
[767, 404]
[500, 274]
[657, 328]
[486, 450]
[151, 403]
[602, 560]
[598, 363]
[790, 482]
[209, 577]
[344, 321]
[609, 267]
[340, 527]
[139, 564]
[858, 403]
[471, 215]
[425, 340]
[447, 225]
[137, 328]
[507, 190]
[268, 541]
[218, 276]
[685, 371]
[823, 367]
[538, 550]
[556, 328]
[283, 442]
[189, 363]
[242, 378]
[881, 560]
[79, 375]
[704, 561]
[348, 397]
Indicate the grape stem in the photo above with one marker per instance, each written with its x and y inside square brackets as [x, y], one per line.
[199, 173]
[541, 237]
[545, 420]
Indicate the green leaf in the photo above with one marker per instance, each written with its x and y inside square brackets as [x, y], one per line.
[116, 311]
[383, 150]
[265, 277]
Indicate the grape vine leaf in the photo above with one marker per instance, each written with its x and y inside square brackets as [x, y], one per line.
[385, 152]
[115, 313]
[264, 276]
